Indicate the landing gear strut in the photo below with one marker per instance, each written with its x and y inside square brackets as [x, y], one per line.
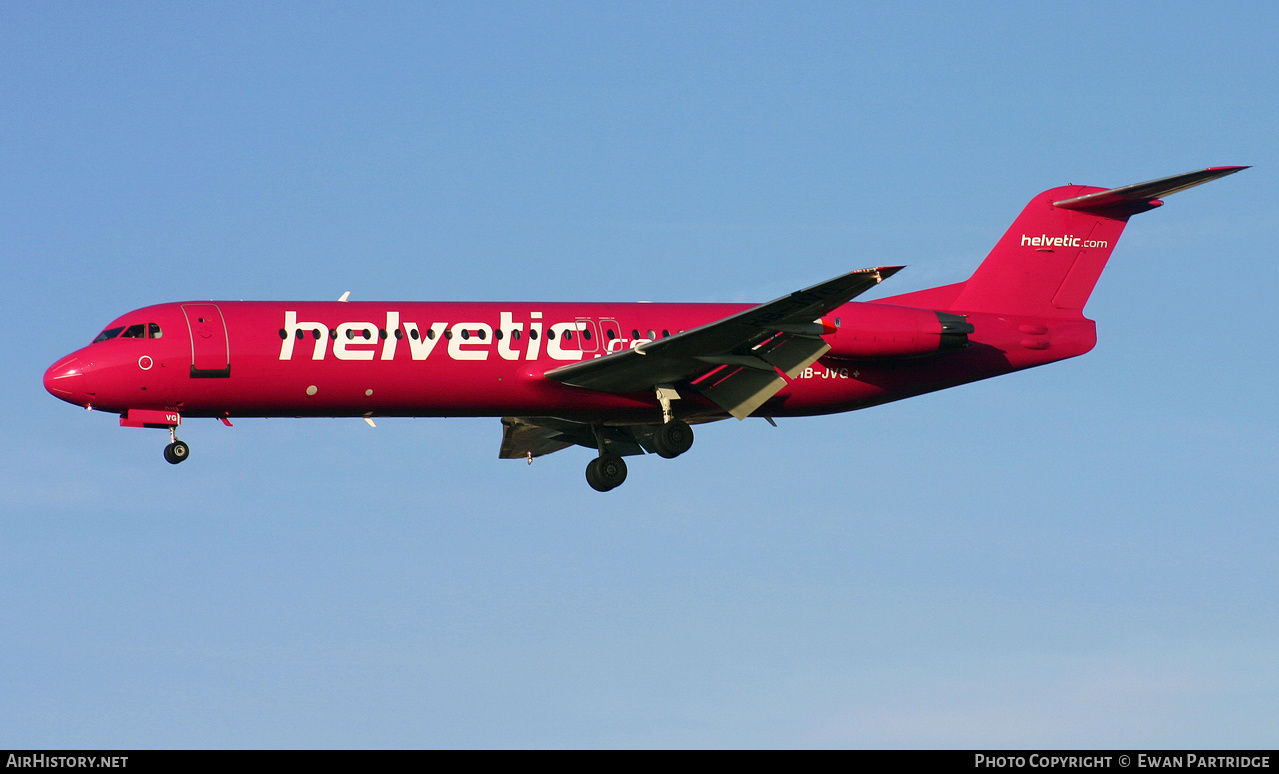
[673, 437]
[177, 450]
[606, 472]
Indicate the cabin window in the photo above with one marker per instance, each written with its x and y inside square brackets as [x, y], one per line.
[515, 335]
[466, 335]
[413, 334]
[611, 335]
[532, 334]
[635, 334]
[109, 333]
[665, 333]
[315, 334]
[550, 334]
[399, 334]
[448, 335]
[586, 334]
[568, 335]
[480, 333]
[381, 333]
[497, 334]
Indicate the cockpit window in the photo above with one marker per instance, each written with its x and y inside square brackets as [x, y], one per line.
[153, 331]
[109, 333]
[138, 331]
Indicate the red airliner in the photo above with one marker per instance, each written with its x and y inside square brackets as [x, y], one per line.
[620, 379]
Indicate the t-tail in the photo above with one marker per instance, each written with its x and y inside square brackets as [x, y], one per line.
[1049, 260]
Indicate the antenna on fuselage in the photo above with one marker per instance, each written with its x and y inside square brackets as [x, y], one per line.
[345, 296]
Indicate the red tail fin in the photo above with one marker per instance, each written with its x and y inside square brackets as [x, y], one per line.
[1048, 262]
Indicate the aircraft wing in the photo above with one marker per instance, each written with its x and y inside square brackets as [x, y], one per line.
[734, 361]
[537, 436]
[527, 437]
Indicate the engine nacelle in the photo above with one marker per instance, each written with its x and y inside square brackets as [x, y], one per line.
[882, 330]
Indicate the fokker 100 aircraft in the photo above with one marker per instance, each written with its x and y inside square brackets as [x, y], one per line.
[619, 379]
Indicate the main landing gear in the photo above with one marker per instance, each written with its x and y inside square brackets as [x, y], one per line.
[177, 450]
[606, 472]
[672, 439]
[669, 440]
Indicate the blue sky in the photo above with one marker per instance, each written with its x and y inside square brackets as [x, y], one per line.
[1077, 555]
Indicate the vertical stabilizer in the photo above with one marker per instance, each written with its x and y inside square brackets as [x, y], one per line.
[1048, 262]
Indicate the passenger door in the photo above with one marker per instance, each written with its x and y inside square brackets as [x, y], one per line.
[210, 346]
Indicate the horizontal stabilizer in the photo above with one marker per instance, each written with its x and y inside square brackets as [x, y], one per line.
[1143, 196]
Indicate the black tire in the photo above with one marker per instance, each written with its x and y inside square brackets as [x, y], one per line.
[611, 470]
[673, 439]
[606, 472]
[594, 478]
[176, 452]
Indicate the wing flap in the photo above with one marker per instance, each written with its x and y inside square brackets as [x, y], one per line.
[747, 361]
[743, 391]
[796, 353]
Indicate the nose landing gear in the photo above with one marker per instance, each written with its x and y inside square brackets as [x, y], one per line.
[177, 450]
[168, 419]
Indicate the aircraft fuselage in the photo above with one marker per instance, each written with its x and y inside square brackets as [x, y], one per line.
[275, 359]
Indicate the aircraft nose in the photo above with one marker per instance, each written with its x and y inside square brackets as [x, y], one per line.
[65, 379]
